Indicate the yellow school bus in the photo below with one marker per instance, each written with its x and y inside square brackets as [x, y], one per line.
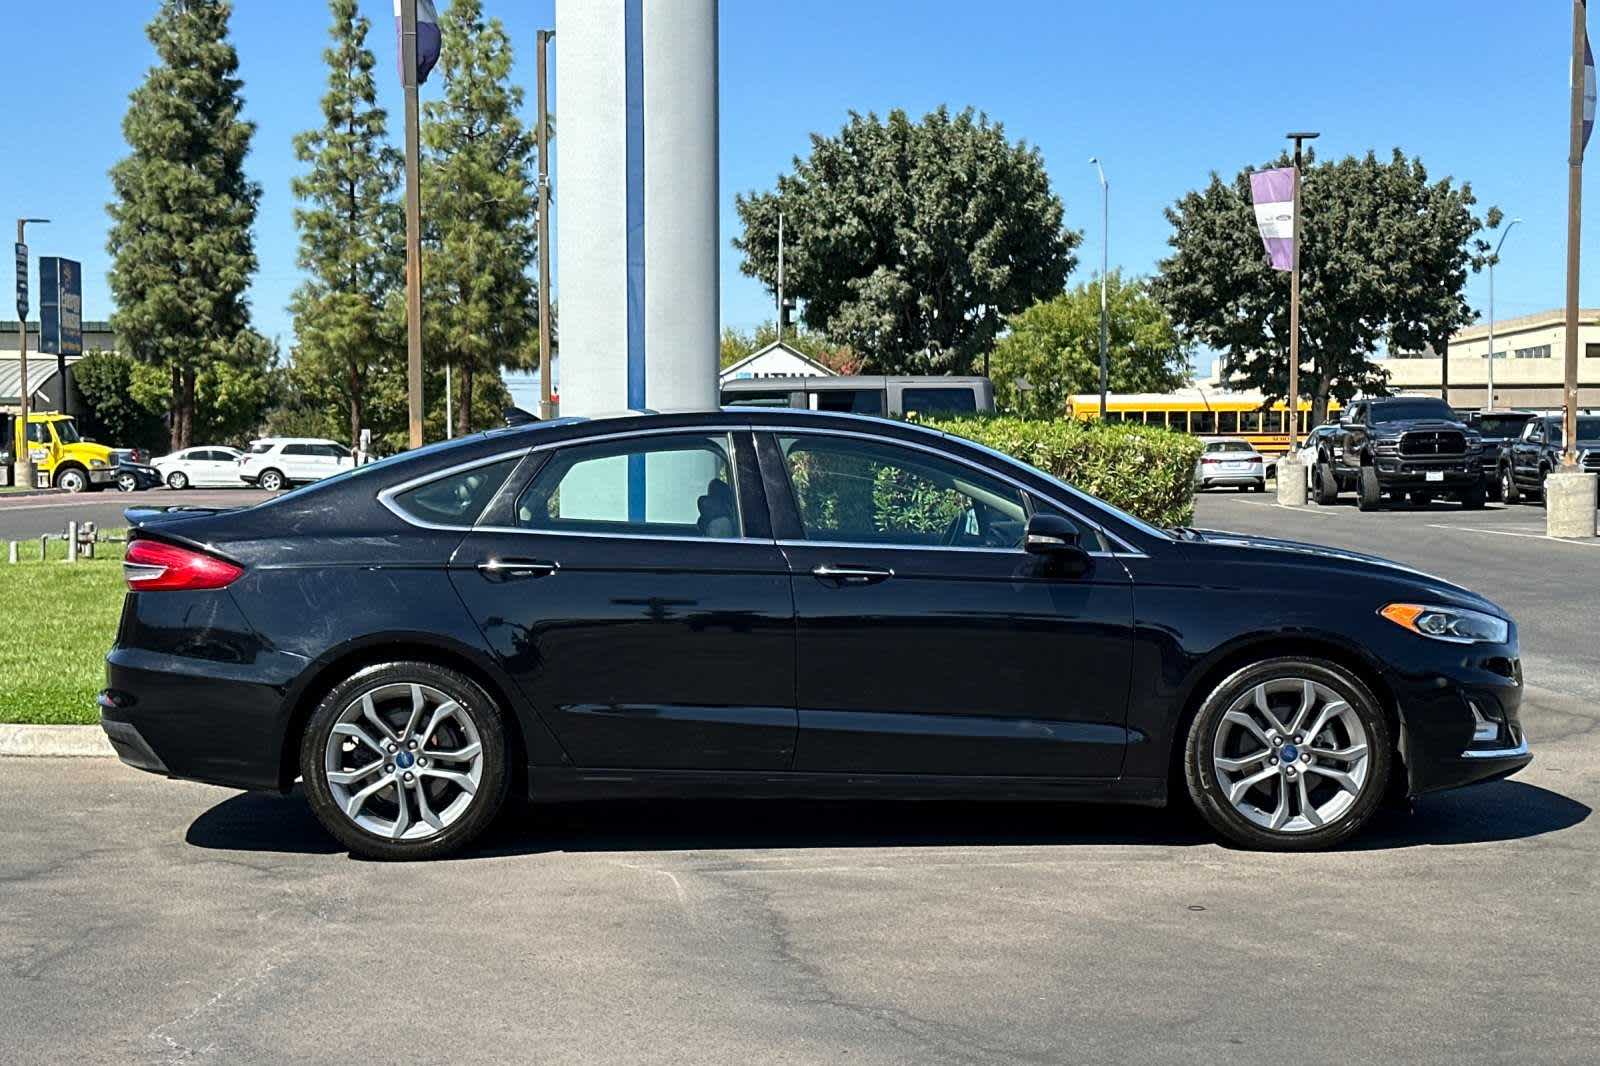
[1205, 413]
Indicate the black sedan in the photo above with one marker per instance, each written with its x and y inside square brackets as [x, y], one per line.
[783, 603]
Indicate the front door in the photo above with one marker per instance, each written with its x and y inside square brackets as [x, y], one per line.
[928, 641]
[633, 590]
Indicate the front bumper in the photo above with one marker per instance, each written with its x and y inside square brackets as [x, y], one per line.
[1473, 687]
[102, 475]
[1423, 474]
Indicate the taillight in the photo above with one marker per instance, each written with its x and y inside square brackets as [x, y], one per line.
[152, 565]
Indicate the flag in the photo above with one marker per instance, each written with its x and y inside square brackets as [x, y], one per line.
[1588, 91]
[1272, 191]
[427, 40]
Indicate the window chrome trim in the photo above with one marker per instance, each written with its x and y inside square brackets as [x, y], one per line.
[1129, 550]
[386, 497]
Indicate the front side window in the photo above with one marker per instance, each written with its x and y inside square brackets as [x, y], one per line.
[457, 499]
[863, 492]
[679, 486]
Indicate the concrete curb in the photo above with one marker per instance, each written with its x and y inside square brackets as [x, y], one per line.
[77, 741]
[29, 493]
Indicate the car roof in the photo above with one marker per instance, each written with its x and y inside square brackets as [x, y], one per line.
[285, 440]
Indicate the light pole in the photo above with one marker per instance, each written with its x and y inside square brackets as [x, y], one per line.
[1488, 404]
[25, 459]
[546, 405]
[413, 209]
[1105, 245]
[1294, 302]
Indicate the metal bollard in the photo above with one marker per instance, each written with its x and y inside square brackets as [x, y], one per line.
[44, 546]
[72, 542]
[90, 533]
[12, 552]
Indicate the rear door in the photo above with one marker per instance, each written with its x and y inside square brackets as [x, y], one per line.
[928, 642]
[632, 588]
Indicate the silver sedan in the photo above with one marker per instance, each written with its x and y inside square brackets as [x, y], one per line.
[1230, 461]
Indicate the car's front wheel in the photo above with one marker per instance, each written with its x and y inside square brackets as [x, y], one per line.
[72, 480]
[1508, 486]
[127, 483]
[405, 760]
[1369, 493]
[1288, 754]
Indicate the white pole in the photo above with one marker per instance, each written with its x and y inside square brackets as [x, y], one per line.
[72, 542]
[449, 406]
[780, 275]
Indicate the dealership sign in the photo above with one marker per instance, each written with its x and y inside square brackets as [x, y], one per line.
[22, 282]
[60, 306]
[1273, 194]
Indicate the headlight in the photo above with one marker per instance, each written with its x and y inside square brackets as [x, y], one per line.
[1455, 624]
[1474, 444]
[97, 464]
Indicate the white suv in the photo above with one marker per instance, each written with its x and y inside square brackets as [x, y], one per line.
[277, 462]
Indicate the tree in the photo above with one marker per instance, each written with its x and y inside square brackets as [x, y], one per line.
[349, 222]
[911, 242]
[478, 211]
[1383, 259]
[740, 344]
[1055, 346]
[180, 240]
[115, 416]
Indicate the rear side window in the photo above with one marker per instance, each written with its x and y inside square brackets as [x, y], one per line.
[851, 401]
[261, 447]
[937, 401]
[457, 499]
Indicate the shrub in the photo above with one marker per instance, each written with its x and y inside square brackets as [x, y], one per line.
[1145, 470]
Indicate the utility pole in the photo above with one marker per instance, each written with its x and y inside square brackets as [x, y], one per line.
[408, 64]
[780, 277]
[1105, 246]
[1575, 145]
[25, 458]
[1293, 414]
[1488, 403]
[546, 406]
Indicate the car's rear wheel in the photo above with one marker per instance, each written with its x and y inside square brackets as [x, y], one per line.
[1369, 495]
[271, 480]
[177, 480]
[405, 760]
[1289, 754]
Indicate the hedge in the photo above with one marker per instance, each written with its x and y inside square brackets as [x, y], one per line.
[1145, 470]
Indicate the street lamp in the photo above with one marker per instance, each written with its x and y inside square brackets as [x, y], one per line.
[1493, 259]
[1105, 243]
[24, 460]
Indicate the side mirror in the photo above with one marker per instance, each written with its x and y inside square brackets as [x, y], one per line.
[1057, 538]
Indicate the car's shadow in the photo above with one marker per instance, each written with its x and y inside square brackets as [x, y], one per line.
[1503, 810]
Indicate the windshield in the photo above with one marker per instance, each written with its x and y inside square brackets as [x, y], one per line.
[1501, 425]
[67, 430]
[1412, 410]
[1588, 429]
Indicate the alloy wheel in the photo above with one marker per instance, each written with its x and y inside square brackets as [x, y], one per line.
[1291, 755]
[404, 761]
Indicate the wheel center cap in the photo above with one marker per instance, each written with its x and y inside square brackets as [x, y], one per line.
[1289, 753]
[404, 760]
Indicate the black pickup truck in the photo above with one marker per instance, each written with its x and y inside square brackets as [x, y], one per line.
[1499, 430]
[1412, 446]
[1532, 456]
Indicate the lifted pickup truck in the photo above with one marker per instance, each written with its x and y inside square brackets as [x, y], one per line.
[1406, 446]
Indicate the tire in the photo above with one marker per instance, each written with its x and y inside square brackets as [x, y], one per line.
[1260, 486]
[463, 794]
[1327, 483]
[72, 480]
[271, 480]
[1509, 492]
[1473, 499]
[1419, 499]
[177, 480]
[1220, 754]
[1369, 497]
[127, 483]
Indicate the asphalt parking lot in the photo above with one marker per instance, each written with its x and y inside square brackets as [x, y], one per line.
[29, 516]
[150, 921]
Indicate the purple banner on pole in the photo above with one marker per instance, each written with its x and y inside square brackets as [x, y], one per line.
[1588, 92]
[1272, 191]
[427, 40]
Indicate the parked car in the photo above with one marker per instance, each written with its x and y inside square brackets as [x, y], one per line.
[1499, 430]
[1412, 446]
[275, 463]
[1538, 451]
[783, 603]
[131, 474]
[1231, 462]
[208, 466]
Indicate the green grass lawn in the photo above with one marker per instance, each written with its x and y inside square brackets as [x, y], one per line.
[58, 623]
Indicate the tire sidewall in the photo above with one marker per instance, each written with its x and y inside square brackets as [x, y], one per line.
[1369, 492]
[272, 476]
[492, 785]
[1200, 775]
[72, 481]
[177, 481]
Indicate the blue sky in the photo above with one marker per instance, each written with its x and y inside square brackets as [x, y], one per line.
[1164, 93]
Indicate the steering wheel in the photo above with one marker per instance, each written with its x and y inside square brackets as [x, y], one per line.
[955, 530]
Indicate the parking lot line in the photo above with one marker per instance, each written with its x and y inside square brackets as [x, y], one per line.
[1509, 533]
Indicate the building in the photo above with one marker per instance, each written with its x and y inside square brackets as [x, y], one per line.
[1529, 365]
[43, 381]
[776, 360]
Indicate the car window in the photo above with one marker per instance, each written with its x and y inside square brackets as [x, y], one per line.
[745, 398]
[938, 400]
[853, 401]
[864, 492]
[669, 485]
[261, 447]
[38, 433]
[457, 499]
[296, 449]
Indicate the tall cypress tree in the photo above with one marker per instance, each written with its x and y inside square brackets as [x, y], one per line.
[180, 240]
[478, 212]
[350, 228]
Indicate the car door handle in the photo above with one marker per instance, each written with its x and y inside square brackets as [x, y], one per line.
[852, 575]
[515, 569]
